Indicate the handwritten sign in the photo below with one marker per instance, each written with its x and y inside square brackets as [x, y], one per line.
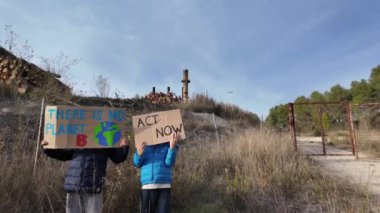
[83, 127]
[156, 128]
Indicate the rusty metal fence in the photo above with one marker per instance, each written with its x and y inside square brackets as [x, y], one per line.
[346, 121]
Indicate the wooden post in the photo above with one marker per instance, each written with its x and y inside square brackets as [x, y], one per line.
[216, 129]
[322, 130]
[292, 124]
[39, 136]
[185, 82]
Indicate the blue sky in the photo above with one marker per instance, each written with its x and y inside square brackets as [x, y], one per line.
[267, 52]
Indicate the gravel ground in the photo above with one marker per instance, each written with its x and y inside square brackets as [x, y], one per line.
[341, 163]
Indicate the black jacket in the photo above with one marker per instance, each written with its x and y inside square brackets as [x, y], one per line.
[87, 167]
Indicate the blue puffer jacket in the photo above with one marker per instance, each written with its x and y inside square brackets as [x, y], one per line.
[87, 167]
[156, 163]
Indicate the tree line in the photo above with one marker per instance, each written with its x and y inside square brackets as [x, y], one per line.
[333, 116]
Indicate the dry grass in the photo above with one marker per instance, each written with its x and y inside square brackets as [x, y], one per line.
[249, 171]
[203, 103]
[368, 141]
[257, 172]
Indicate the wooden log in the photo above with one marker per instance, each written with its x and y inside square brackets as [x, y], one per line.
[14, 72]
[4, 62]
[22, 87]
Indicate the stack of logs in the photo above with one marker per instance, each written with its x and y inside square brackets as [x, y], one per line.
[162, 98]
[23, 75]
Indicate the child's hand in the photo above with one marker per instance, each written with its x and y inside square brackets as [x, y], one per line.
[140, 149]
[123, 142]
[173, 140]
[44, 143]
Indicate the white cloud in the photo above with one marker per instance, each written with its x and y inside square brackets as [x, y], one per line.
[266, 52]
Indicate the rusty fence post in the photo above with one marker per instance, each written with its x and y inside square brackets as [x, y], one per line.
[292, 124]
[348, 111]
[322, 129]
[352, 132]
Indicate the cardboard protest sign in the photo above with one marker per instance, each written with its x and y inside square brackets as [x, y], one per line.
[155, 128]
[83, 127]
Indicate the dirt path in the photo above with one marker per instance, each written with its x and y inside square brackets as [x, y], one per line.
[342, 163]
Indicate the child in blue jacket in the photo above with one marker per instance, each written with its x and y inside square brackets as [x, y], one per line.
[156, 162]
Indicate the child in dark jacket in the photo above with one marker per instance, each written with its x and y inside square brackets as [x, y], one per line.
[156, 162]
[85, 177]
